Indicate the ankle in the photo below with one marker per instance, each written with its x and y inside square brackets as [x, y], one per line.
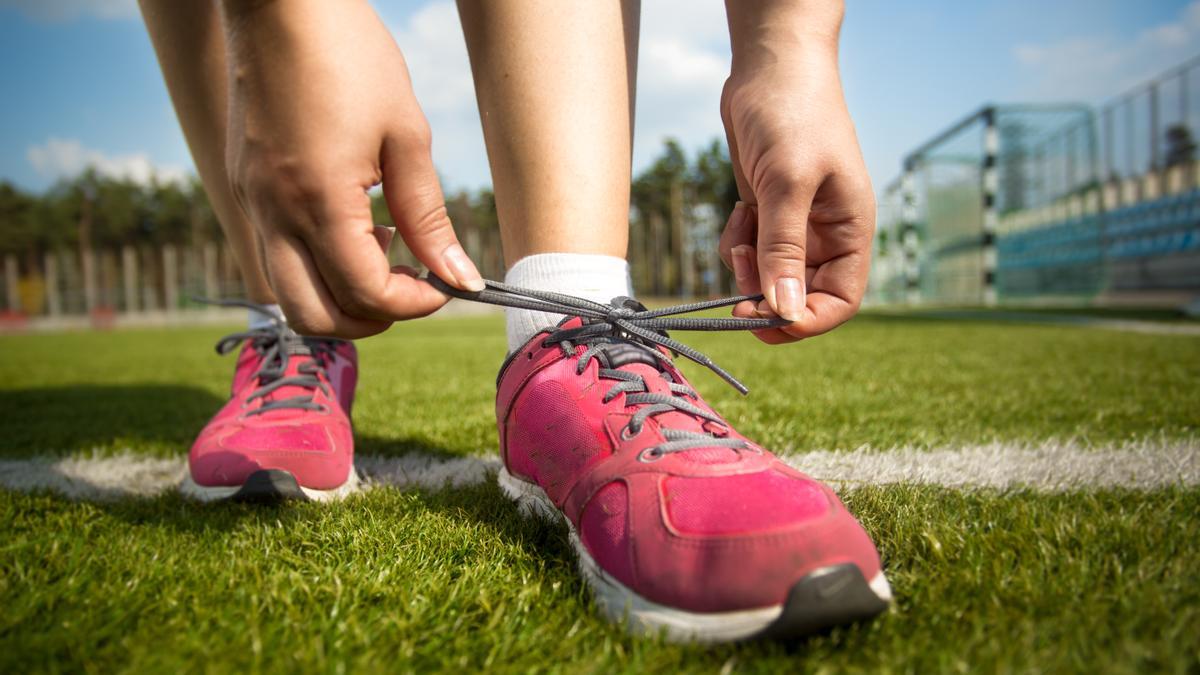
[598, 278]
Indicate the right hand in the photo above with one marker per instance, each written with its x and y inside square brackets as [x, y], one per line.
[322, 110]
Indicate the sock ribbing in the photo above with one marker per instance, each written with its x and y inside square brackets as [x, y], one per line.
[256, 319]
[599, 278]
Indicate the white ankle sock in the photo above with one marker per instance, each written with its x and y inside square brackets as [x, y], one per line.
[264, 319]
[598, 278]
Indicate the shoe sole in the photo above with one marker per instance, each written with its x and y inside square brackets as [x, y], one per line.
[826, 597]
[268, 486]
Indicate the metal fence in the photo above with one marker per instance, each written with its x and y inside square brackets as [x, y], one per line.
[1051, 202]
[128, 280]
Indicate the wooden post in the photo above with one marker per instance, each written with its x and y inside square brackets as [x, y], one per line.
[713, 265]
[170, 278]
[53, 298]
[87, 260]
[148, 285]
[683, 240]
[212, 289]
[11, 278]
[87, 263]
[129, 277]
[636, 248]
[658, 257]
[472, 244]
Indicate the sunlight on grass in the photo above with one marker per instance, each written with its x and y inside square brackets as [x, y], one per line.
[456, 580]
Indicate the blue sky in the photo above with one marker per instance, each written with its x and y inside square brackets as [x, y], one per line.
[80, 86]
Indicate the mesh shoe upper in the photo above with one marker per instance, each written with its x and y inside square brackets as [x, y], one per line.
[666, 496]
[289, 409]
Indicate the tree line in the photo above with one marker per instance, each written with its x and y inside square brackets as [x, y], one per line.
[679, 204]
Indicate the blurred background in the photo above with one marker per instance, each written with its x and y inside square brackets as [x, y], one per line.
[1024, 154]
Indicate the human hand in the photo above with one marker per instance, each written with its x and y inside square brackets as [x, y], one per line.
[322, 110]
[802, 234]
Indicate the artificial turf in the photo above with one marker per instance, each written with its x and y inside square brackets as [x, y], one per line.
[455, 579]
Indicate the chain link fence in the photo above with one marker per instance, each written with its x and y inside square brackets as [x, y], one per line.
[1051, 203]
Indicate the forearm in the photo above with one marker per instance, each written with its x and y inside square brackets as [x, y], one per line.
[769, 32]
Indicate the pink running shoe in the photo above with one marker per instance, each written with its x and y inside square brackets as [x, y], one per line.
[680, 523]
[285, 432]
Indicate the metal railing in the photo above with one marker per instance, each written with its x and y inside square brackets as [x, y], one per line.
[1025, 202]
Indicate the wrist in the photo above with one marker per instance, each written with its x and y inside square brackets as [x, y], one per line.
[770, 33]
[249, 16]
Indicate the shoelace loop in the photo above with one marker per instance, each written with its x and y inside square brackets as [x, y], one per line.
[626, 321]
[277, 343]
[623, 318]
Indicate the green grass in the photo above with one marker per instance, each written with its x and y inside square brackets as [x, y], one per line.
[456, 580]
[1152, 314]
[878, 381]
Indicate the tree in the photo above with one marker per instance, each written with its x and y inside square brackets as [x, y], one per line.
[18, 227]
[678, 210]
[1181, 145]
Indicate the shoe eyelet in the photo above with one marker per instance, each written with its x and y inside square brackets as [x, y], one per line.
[650, 455]
[323, 409]
[628, 433]
[529, 355]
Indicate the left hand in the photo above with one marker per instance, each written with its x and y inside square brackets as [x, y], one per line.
[802, 233]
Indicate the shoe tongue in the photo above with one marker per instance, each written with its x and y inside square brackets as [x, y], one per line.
[621, 354]
[295, 360]
[570, 322]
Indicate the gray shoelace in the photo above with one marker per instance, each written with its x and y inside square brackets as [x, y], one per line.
[610, 329]
[277, 344]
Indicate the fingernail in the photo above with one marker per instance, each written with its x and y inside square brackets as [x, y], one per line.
[789, 298]
[462, 268]
[741, 262]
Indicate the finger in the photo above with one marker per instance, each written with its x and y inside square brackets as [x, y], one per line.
[772, 336]
[745, 310]
[355, 268]
[837, 289]
[384, 236]
[746, 275]
[414, 198]
[309, 306]
[739, 229]
[782, 234]
[745, 269]
[825, 312]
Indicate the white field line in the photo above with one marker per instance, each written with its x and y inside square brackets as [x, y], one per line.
[1050, 466]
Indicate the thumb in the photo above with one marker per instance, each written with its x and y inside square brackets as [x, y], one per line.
[415, 202]
[782, 249]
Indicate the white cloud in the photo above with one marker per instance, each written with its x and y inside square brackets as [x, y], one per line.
[66, 10]
[682, 65]
[1094, 67]
[67, 157]
[433, 45]
[684, 59]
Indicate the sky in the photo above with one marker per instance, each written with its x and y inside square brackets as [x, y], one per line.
[79, 85]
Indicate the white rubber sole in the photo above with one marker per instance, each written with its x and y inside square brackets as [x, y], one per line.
[642, 616]
[253, 490]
